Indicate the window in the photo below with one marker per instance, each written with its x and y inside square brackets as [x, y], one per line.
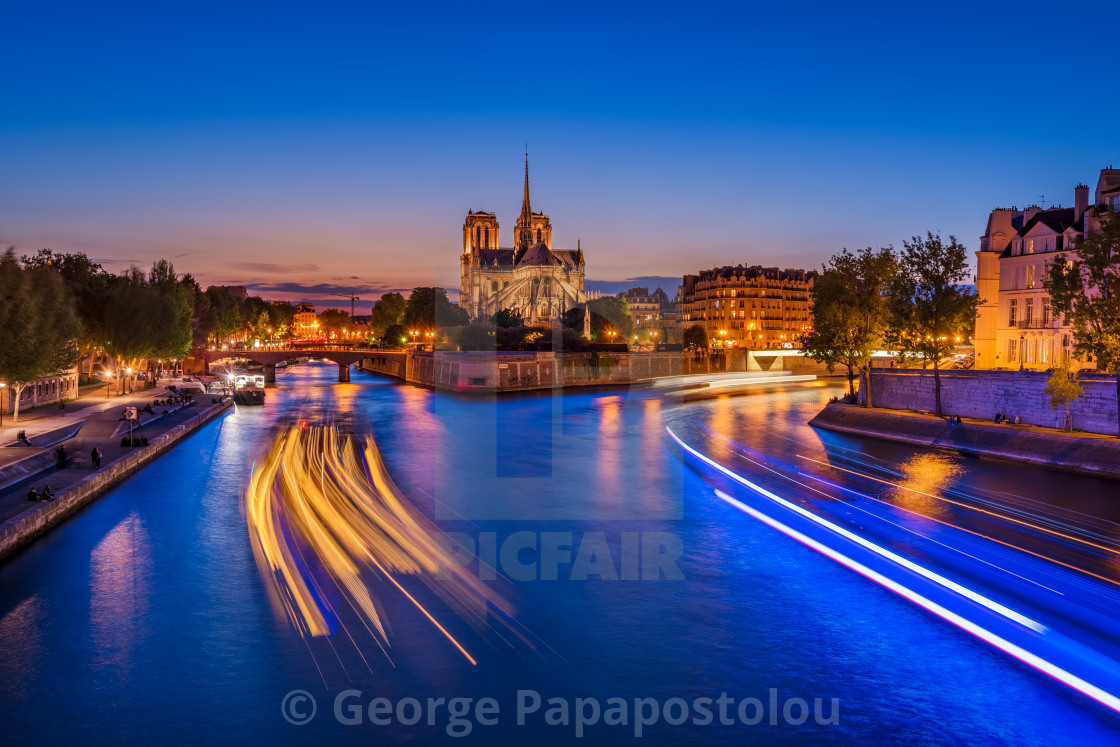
[1030, 246]
[477, 236]
[538, 234]
[1044, 351]
[1013, 314]
[1116, 203]
[1045, 311]
[1058, 243]
[1030, 281]
[487, 236]
[1028, 350]
[1029, 311]
[1049, 243]
[1012, 351]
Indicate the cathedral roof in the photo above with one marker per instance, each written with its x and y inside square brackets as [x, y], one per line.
[539, 255]
[503, 257]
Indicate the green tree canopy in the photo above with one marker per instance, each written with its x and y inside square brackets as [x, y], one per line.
[930, 311]
[333, 321]
[1086, 289]
[88, 284]
[387, 311]
[849, 311]
[428, 309]
[38, 325]
[695, 336]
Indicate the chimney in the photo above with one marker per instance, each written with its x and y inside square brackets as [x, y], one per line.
[1080, 201]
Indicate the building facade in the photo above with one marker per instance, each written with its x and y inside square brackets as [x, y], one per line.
[531, 278]
[1015, 326]
[47, 390]
[305, 322]
[749, 307]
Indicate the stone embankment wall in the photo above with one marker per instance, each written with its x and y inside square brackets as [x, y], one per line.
[40, 517]
[517, 371]
[981, 394]
[1085, 454]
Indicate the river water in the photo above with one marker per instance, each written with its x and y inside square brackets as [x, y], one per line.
[144, 618]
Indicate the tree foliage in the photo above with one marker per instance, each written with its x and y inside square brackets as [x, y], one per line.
[333, 322]
[1063, 389]
[38, 325]
[387, 311]
[695, 336]
[849, 311]
[1086, 289]
[429, 308]
[930, 311]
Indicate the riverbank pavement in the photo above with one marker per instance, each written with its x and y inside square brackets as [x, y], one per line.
[101, 426]
[1076, 451]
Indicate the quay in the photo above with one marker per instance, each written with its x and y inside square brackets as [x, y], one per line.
[87, 422]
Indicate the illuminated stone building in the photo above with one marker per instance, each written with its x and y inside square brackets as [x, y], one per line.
[748, 307]
[530, 278]
[1015, 326]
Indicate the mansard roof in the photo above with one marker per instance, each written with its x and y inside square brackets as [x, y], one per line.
[1056, 219]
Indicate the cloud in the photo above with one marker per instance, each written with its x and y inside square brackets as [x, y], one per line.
[367, 292]
[273, 269]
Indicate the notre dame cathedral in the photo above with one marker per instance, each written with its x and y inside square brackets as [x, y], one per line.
[531, 279]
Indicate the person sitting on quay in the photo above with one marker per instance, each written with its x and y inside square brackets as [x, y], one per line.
[999, 418]
[32, 495]
[95, 457]
[46, 495]
[22, 438]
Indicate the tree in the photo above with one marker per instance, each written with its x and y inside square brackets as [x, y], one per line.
[609, 314]
[88, 284]
[1063, 390]
[849, 312]
[429, 308]
[38, 326]
[695, 337]
[1086, 289]
[135, 313]
[387, 311]
[929, 310]
[477, 336]
[395, 335]
[333, 321]
[507, 319]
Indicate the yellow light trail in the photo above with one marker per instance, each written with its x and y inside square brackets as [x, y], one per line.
[322, 498]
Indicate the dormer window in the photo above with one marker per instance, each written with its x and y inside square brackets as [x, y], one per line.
[1030, 246]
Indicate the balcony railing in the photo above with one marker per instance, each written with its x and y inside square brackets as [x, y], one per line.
[1035, 324]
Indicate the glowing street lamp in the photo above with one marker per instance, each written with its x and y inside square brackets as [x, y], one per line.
[3, 386]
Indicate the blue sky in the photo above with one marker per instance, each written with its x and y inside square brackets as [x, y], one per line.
[307, 148]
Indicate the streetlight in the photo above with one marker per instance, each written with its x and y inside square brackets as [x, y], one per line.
[1022, 339]
[3, 386]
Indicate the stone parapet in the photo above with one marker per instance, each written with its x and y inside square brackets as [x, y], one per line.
[981, 394]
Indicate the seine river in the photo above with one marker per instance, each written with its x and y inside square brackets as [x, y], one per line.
[144, 619]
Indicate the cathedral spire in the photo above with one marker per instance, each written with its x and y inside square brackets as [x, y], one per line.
[525, 235]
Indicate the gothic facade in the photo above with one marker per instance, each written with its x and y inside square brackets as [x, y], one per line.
[530, 278]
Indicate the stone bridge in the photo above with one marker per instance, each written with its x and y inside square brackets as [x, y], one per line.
[344, 357]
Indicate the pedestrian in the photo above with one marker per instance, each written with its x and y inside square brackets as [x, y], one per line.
[32, 495]
[61, 407]
[22, 438]
[60, 455]
[95, 457]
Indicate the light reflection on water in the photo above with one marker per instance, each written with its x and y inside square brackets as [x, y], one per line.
[147, 613]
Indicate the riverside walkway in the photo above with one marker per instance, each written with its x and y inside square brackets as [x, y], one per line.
[99, 424]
